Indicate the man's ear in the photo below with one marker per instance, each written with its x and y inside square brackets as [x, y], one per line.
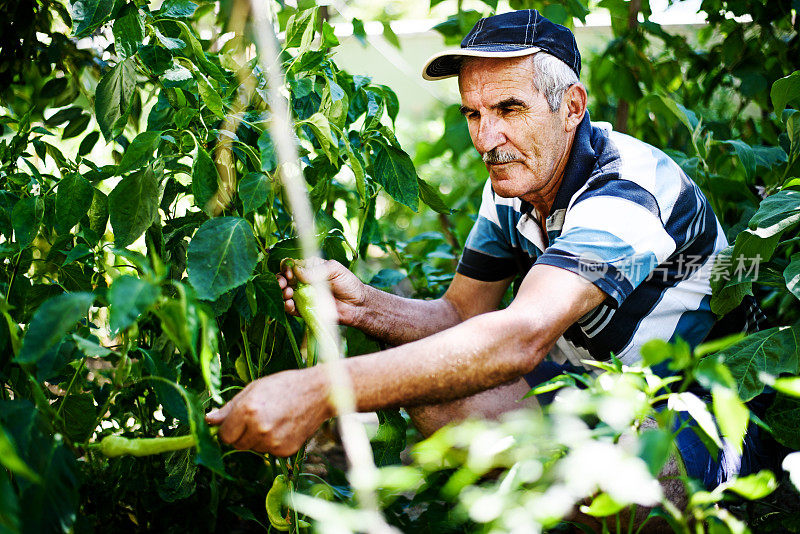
[574, 99]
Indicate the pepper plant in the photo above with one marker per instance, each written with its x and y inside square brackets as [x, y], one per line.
[139, 289]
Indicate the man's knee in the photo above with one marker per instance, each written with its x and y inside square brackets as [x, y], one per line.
[489, 404]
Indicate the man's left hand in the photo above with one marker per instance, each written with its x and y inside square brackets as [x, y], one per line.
[275, 414]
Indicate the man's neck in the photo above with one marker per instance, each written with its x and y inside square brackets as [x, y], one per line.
[543, 200]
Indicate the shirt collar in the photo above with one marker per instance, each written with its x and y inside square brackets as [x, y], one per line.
[582, 159]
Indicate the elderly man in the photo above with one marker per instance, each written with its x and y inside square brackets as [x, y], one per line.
[598, 225]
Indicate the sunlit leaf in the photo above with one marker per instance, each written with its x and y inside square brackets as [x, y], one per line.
[26, 217]
[129, 297]
[128, 31]
[132, 206]
[221, 256]
[205, 180]
[139, 152]
[114, 97]
[395, 171]
[73, 199]
[773, 351]
[785, 90]
[602, 505]
[254, 190]
[732, 416]
[792, 275]
[688, 402]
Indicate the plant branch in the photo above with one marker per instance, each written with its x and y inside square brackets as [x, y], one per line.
[362, 473]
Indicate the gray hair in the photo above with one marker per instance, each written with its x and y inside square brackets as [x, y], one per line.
[552, 77]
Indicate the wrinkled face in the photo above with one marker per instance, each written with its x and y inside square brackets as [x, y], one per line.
[523, 143]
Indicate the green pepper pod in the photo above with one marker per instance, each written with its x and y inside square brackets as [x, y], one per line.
[113, 446]
[304, 301]
[274, 503]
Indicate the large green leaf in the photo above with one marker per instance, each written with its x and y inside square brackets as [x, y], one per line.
[321, 127]
[155, 58]
[221, 256]
[51, 321]
[128, 31]
[792, 275]
[431, 197]
[114, 97]
[390, 440]
[179, 483]
[177, 9]
[73, 199]
[210, 363]
[98, 214]
[26, 217]
[395, 172]
[89, 14]
[133, 206]
[746, 157]
[204, 180]
[736, 268]
[732, 415]
[777, 213]
[139, 152]
[772, 351]
[266, 146]
[254, 190]
[300, 29]
[210, 96]
[785, 90]
[79, 415]
[129, 297]
[783, 417]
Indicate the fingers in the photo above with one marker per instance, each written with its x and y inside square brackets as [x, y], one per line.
[217, 416]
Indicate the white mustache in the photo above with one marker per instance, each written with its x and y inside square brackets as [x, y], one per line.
[495, 156]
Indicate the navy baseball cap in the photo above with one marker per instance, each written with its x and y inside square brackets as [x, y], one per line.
[514, 34]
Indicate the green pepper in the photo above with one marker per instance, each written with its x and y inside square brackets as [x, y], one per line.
[113, 446]
[304, 302]
[275, 496]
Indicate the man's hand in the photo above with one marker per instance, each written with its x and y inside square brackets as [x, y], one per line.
[348, 291]
[275, 414]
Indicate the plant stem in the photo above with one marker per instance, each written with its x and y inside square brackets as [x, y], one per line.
[246, 346]
[263, 345]
[293, 342]
[69, 387]
[13, 273]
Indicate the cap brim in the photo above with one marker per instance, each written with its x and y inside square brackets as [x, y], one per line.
[446, 64]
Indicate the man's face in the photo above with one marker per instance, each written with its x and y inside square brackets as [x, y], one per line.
[523, 143]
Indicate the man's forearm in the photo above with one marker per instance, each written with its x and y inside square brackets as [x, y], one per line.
[398, 320]
[475, 355]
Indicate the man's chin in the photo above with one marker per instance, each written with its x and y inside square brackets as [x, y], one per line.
[504, 187]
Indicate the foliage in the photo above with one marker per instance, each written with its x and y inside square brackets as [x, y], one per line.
[142, 216]
[144, 283]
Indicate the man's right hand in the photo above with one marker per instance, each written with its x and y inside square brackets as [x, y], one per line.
[348, 291]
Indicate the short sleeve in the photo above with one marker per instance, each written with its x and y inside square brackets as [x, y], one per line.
[488, 255]
[613, 240]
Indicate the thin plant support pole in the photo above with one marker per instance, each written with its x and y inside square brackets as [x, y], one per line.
[362, 474]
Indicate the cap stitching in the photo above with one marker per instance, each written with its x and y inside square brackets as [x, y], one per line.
[527, 27]
[575, 57]
[477, 31]
[535, 21]
[524, 45]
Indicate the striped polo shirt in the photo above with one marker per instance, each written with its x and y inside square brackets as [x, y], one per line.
[627, 218]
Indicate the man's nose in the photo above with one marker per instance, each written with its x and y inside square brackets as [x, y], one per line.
[490, 135]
